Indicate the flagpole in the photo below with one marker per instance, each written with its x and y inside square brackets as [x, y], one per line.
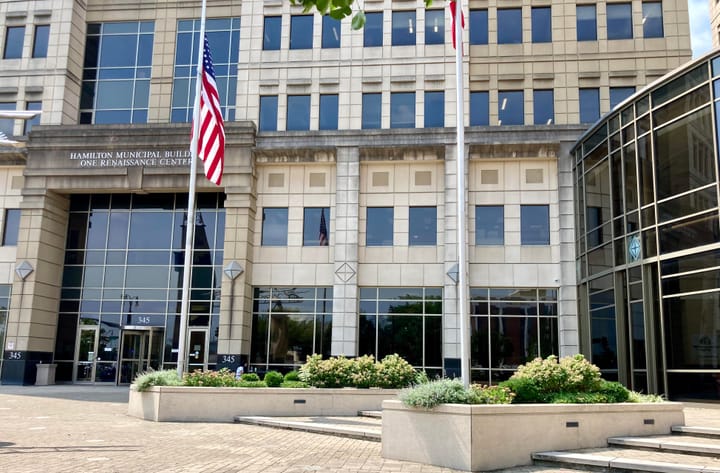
[190, 221]
[460, 200]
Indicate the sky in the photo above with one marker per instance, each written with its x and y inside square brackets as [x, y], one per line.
[700, 27]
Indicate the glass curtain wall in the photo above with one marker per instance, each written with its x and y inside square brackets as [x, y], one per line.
[124, 269]
[5, 291]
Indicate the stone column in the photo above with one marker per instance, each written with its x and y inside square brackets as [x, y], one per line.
[32, 319]
[345, 243]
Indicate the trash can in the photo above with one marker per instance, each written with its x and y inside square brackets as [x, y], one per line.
[45, 374]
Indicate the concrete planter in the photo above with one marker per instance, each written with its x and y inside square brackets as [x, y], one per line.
[196, 404]
[489, 437]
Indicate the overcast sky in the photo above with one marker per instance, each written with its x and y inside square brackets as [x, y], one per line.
[700, 26]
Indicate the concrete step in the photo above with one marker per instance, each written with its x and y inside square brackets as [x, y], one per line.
[671, 443]
[707, 432]
[364, 428]
[371, 414]
[614, 459]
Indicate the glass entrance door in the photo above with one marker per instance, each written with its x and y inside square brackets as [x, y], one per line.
[197, 350]
[141, 350]
[86, 354]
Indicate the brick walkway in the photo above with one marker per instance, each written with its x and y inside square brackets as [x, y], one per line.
[85, 429]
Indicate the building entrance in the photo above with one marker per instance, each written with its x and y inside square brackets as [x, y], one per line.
[95, 357]
[197, 358]
[140, 351]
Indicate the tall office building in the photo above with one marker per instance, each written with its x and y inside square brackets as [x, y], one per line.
[337, 207]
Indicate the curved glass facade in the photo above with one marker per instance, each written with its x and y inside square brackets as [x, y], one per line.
[648, 241]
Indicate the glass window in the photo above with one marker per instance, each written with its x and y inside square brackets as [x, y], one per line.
[328, 112]
[14, 38]
[371, 107]
[489, 225]
[379, 230]
[589, 105]
[298, 112]
[511, 108]
[7, 125]
[434, 109]
[434, 26]
[652, 20]
[541, 25]
[479, 109]
[509, 26]
[330, 32]
[271, 33]
[423, 226]
[40, 41]
[534, 225]
[618, 94]
[402, 110]
[301, 31]
[478, 27]
[586, 25]
[224, 41]
[268, 113]
[373, 29]
[11, 227]
[274, 227]
[316, 230]
[35, 106]
[403, 28]
[619, 21]
[543, 107]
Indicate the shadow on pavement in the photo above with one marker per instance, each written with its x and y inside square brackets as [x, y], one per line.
[76, 392]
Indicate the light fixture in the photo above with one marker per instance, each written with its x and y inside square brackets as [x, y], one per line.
[549, 122]
[233, 270]
[410, 26]
[644, 19]
[504, 103]
[23, 270]
[435, 26]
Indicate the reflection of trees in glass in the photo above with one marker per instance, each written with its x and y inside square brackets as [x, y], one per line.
[402, 335]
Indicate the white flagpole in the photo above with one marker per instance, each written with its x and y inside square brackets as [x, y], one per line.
[190, 221]
[460, 200]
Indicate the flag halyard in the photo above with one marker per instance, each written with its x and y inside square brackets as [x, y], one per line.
[211, 138]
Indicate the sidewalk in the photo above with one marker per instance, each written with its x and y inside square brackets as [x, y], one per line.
[55, 429]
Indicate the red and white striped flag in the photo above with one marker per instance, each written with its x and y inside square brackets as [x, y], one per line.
[211, 139]
[453, 5]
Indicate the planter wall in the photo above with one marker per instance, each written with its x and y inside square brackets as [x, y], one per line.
[196, 404]
[489, 437]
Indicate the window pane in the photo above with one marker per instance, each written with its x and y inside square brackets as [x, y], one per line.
[7, 124]
[619, 21]
[478, 27]
[11, 227]
[489, 225]
[618, 94]
[316, 228]
[586, 23]
[403, 28]
[511, 108]
[14, 37]
[543, 107]
[479, 109]
[330, 32]
[434, 109]
[371, 107]
[34, 121]
[373, 34]
[509, 26]
[379, 231]
[589, 105]
[268, 113]
[652, 20]
[301, 31]
[434, 26]
[535, 225]
[541, 25]
[423, 226]
[274, 227]
[298, 112]
[328, 112]
[40, 42]
[402, 110]
[271, 33]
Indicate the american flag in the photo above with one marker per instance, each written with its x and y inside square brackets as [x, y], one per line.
[211, 139]
[323, 237]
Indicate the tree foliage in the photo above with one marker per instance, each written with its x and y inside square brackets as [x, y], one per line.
[338, 9]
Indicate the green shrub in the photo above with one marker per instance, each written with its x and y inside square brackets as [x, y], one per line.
[294, 384]
[525, 390]
[145, 380]
[421, 377]
[639, 397]
[442, 391]
[578, 398]
[250, 384]
[222, 378]
[273, 379]
[292, 376]
[364, 372]
[614, 391]
[569, 374]
[334, 372]
[492, 394]
[394, 372]
[249, 377]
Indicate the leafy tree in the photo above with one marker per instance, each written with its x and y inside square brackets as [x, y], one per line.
[338, 9]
